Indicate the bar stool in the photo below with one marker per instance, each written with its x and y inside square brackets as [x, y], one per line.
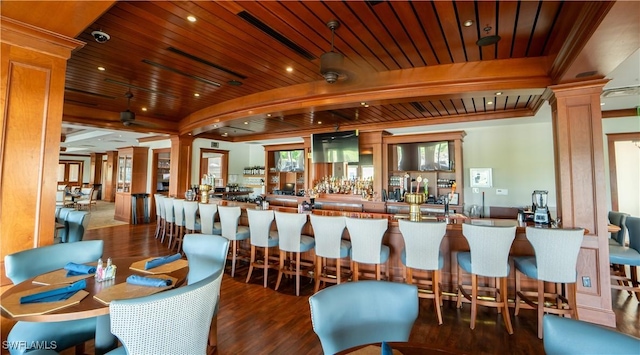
[191, 223]
[261, 237]
[157, 200]
[366, 244]
[293, 241]
[422, 252]
[229, 216]
[163, 221]
[622, 256]
[208, 224]
[327, 232]
[556, 256]
[178, 220]
[169, 218]
[489, 257]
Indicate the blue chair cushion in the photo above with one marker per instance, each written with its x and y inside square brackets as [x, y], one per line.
[273, 240]
[623, 255]
[464, 260]
[306, 243]
[217, 228]
[66, 334]
[242, 233]
[527, 265]
[345, 248]
[403, 258]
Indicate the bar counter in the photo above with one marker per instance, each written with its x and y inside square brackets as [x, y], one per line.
[452, 243]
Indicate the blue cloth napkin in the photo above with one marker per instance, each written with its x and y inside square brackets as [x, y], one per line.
[161, 261]
[148, 281]
[386, 349]
[74, 269]
[58, 294]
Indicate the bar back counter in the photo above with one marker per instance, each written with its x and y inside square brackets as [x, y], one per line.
[339, 205]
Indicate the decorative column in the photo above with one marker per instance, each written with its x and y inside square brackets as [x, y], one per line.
[580, 189]
[180, 179]
[111, 178]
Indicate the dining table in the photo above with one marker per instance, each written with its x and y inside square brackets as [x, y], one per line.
[90, 306]
[400, 348]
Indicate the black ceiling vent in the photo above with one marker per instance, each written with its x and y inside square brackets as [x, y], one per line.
[180, 72]
[89, 93]
[418, 106]
[131, 86]
[275, 35]
[205, 62]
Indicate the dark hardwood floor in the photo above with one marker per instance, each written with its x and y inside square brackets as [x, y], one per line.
[255, 320]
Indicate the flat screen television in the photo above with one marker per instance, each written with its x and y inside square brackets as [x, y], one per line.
[335, 147]
[289, 160]
[428, 156]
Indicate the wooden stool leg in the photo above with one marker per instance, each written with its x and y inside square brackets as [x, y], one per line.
[378, 275]
[281, 269]
[297, 274]
[517, 298]
[540, 308]
[505, 303]
[338, 272]
[474, 299]
[459, 299]
[266, 266]
[316, 276]
[435, 286]
[251, 261]
[233, 258]
[355, 271]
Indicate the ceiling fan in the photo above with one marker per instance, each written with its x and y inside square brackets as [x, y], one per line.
[332, 63]
[127, 117]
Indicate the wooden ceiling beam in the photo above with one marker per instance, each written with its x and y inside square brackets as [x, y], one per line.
[92, 117]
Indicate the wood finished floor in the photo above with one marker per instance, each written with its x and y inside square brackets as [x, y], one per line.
[257, 320]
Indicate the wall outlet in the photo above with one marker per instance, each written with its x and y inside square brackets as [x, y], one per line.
[476, 190]
[502, 192]
[586, 281]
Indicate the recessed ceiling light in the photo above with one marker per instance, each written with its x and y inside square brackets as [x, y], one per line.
[289, 69]
[319, 122]
[367, 105]
[191, 18]
[144, 109]
[467, 23]
[189, 133]
[489, 102]
[363, 103]
[268, 115]
[245, 122]
[225, 134]
[196, 95]
[102, 68]
[498, 93]
[602, 104]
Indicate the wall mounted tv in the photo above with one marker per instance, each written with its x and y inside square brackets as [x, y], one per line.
[335, 147]
[289, 160]
[428, 156]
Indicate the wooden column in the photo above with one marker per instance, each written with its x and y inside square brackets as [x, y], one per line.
[109, 188]
[180, 179]
[33, 64]
[96, 169]
[580, 189]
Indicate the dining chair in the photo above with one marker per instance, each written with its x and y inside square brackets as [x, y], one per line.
[206, 254]
[292, 241]
[29, 263]
[553, 267]
[161, 204]
[627, 256]
[566, 336]
[62, 219]
[178, 220]
[229, 218]
[366, 244]
[208, 224]
[191, 221]
[618, 219]
[363, 312]
[422, 252]
[176, 321]
[78, 222]
[61, 199]
[488, 257]
[262, 236]
[89, 200]
[327, 232]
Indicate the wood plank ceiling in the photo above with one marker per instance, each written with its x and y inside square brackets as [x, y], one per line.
[236, 50]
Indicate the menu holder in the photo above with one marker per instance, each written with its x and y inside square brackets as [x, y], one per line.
[162, 269]
[125, 290]
[58, 277]
[11, 304]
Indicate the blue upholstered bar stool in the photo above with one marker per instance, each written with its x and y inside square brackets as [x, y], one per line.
[555, 260]
[292, 241]
[627, 256]
[366, 244]
[327, 232]
[191, 223]
[208, 212]
[488, 257]
[422, 252]
[229, 218]
[262, 236]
